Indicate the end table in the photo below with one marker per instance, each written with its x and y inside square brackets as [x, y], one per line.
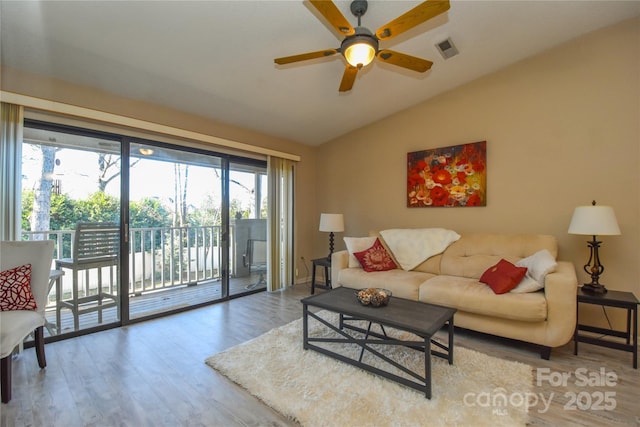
[326, 264]
[617, 299]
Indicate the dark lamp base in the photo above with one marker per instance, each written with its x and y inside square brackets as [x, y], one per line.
[592, 288]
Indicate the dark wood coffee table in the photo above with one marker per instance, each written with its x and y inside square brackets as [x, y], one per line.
[419, 318]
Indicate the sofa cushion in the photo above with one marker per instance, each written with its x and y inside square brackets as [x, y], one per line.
[473, 253]
[432, 265]
[403, 284]
[376, 258]
[503, 276]
[471, 296]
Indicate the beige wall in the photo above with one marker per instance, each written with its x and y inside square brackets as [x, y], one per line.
[562, 129]
[305, 201]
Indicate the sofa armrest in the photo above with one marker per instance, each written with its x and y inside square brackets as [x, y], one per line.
[561, 288]
[339, 261]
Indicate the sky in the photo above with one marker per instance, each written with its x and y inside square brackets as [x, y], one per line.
[78, 174]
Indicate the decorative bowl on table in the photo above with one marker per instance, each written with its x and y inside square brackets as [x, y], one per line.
[375, 297]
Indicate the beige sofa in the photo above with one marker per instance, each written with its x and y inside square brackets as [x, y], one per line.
[546, 318]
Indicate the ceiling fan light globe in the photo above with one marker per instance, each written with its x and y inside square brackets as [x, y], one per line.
[360, 54]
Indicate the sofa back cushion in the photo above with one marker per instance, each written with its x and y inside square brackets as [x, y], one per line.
[431, 265]
[474, 253]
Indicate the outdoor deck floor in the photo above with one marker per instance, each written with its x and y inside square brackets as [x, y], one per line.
[153, 303]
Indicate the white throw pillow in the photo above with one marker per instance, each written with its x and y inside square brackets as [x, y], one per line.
[538, 266]
[357, 244]
[527, 285]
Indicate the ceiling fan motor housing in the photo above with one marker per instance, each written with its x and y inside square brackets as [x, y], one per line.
[359, 7]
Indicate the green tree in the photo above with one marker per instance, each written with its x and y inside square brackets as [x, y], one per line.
[264, 209]
[61, 216]
[98, 207]
[148, 213]
[62, 212]
[27, 208]
[236, 210]
[41, 207]
[207, 214]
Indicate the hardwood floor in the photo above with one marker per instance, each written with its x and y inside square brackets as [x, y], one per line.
[151, 303]
[153, 374]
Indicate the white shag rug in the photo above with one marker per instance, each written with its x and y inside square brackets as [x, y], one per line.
[316, 390]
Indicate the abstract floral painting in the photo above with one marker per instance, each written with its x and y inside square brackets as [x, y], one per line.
[448, 176]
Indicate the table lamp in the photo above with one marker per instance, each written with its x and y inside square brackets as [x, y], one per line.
[331, 223]
[595, 221]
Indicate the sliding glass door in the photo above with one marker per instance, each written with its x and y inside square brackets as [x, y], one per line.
[142, 228]
[248, 224]
[71, 194]
[175, 229]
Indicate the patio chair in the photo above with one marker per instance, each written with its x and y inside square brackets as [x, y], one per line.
[96, 245]
[16, 325]
[255, 258]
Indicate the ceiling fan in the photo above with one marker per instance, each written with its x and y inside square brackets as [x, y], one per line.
[360, 45]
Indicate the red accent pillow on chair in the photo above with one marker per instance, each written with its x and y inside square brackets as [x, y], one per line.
[15, 289]
[503, 276]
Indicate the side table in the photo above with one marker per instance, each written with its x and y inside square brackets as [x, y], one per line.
[617, 299]
[326, 264]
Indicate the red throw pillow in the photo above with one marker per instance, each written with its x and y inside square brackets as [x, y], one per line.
[15, 289]
[376, 258]
[503, 276]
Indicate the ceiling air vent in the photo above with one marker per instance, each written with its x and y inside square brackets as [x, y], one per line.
[447, 49]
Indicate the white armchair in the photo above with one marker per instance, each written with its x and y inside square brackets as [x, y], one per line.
[16, 325]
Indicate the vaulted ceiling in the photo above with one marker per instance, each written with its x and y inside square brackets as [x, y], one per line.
[215, 58]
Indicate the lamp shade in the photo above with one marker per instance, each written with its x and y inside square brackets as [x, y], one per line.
[594, 220]
[331, 222]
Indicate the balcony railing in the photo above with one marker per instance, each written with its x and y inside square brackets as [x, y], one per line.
[159, 258]
[173, 256]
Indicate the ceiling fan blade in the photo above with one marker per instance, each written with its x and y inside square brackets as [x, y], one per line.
[405, 61]
[330, 11]
[305, 56]
[419, 14]
[348, 78]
